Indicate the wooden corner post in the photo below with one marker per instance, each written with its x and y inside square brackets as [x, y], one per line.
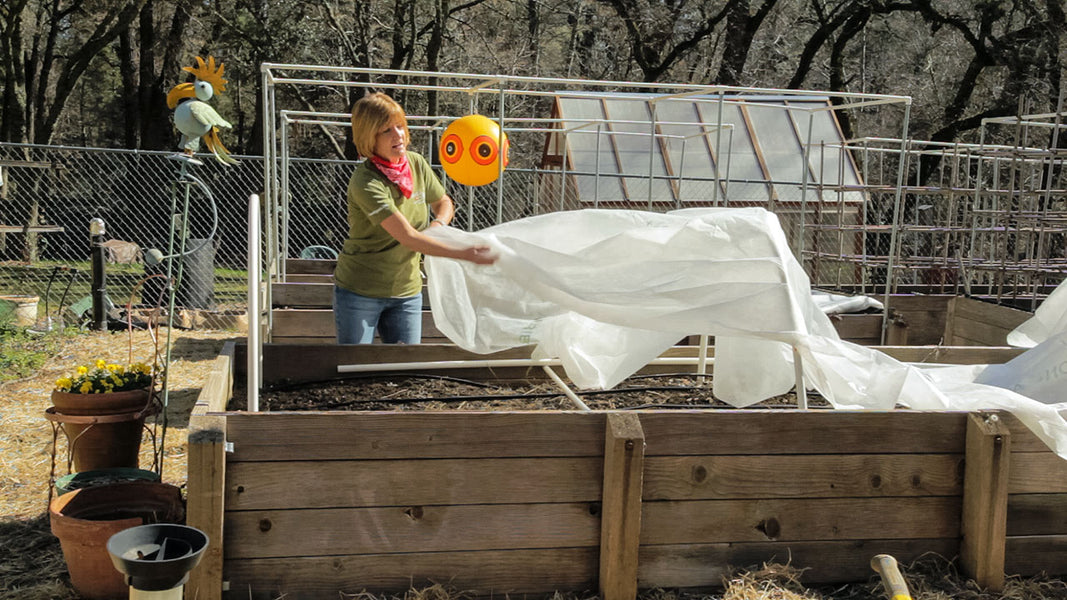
[207, 476]
[620, 517]
[985, 500]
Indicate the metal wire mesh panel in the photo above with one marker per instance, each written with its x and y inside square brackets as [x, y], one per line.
[50, 194]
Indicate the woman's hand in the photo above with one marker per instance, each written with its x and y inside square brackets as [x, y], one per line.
[479, 255]
[399, 227]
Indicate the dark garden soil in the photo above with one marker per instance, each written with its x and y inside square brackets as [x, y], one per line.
[436, 392]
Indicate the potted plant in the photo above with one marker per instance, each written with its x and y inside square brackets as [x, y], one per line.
[102, 409]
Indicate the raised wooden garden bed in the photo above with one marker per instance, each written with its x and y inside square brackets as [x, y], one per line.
[306, 505]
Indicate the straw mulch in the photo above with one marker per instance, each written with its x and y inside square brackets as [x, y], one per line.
[32, 566]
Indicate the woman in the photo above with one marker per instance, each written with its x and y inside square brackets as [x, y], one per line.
[378, 284]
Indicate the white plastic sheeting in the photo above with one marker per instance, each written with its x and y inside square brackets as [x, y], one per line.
[606, 291]
[1049, 319]
[835, 304]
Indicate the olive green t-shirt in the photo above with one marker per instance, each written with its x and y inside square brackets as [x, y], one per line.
[372, 263]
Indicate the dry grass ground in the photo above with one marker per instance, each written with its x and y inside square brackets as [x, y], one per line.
[31, 563]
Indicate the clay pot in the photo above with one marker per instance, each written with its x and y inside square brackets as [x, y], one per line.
[103, 430]
[68, 403]
[85, 519]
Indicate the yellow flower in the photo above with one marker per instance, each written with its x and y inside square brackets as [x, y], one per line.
[105, 377]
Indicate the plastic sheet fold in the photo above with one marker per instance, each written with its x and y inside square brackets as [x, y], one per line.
[607, 291]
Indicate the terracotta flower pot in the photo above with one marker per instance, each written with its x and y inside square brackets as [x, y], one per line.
[85, 519]
[103, 430]
[69, 403]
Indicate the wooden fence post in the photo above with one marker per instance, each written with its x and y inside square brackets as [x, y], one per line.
[985, 500]
[620, 518]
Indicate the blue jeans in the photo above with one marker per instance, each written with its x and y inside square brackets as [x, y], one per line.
[397, 320]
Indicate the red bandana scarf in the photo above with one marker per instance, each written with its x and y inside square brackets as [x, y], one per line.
[399, 173]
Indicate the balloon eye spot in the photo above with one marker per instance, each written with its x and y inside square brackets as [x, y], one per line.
[484, 150]
[451, 148]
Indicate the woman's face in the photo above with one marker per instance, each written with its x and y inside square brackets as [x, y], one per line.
[389, 142]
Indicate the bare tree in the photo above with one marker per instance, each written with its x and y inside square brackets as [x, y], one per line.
[44, 59]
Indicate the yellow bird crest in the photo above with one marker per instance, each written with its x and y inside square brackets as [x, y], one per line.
[208, 73]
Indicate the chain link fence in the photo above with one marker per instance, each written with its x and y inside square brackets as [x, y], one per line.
[50, 194]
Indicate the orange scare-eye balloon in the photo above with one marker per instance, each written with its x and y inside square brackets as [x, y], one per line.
[471, 150]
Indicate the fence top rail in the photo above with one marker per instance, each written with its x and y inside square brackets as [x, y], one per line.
[482, 83]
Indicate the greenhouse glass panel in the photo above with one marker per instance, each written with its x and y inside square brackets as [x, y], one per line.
[631, 126]
[583, 126]
[738, 160]
[782, 150]
[689, 141]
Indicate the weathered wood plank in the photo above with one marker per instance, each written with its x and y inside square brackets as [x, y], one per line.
[992, 316]
[959, 355]
[705, 565]
[620, 521]
[1031, 555]
[324, 484]
[218, 387]
[310, 265]
[497, 573]
[319, 532]
[309, 278]
[317, 362]
[293, 294]
[923, 315]
[334, 436]
[204, 510]
[985, 500]
[968, 332]
[859, 329]
[802, 432]
[1037, 473]
[1022, 439]
[319, 323]
[32, 229]
[1037, 514]
[793, 519]
[866, 329]
[316, 294]
[801, 476]
[303, 340]
[206, 479]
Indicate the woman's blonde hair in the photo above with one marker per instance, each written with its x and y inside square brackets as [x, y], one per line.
[369, 115]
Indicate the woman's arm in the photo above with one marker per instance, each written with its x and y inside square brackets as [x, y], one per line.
[443, 211]
[401, 229]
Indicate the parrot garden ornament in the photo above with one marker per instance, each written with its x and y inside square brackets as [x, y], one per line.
[194, 118]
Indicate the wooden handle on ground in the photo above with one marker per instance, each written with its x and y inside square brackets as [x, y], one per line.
[894, 583]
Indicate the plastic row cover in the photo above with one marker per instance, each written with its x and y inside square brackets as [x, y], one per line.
[607, 291]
